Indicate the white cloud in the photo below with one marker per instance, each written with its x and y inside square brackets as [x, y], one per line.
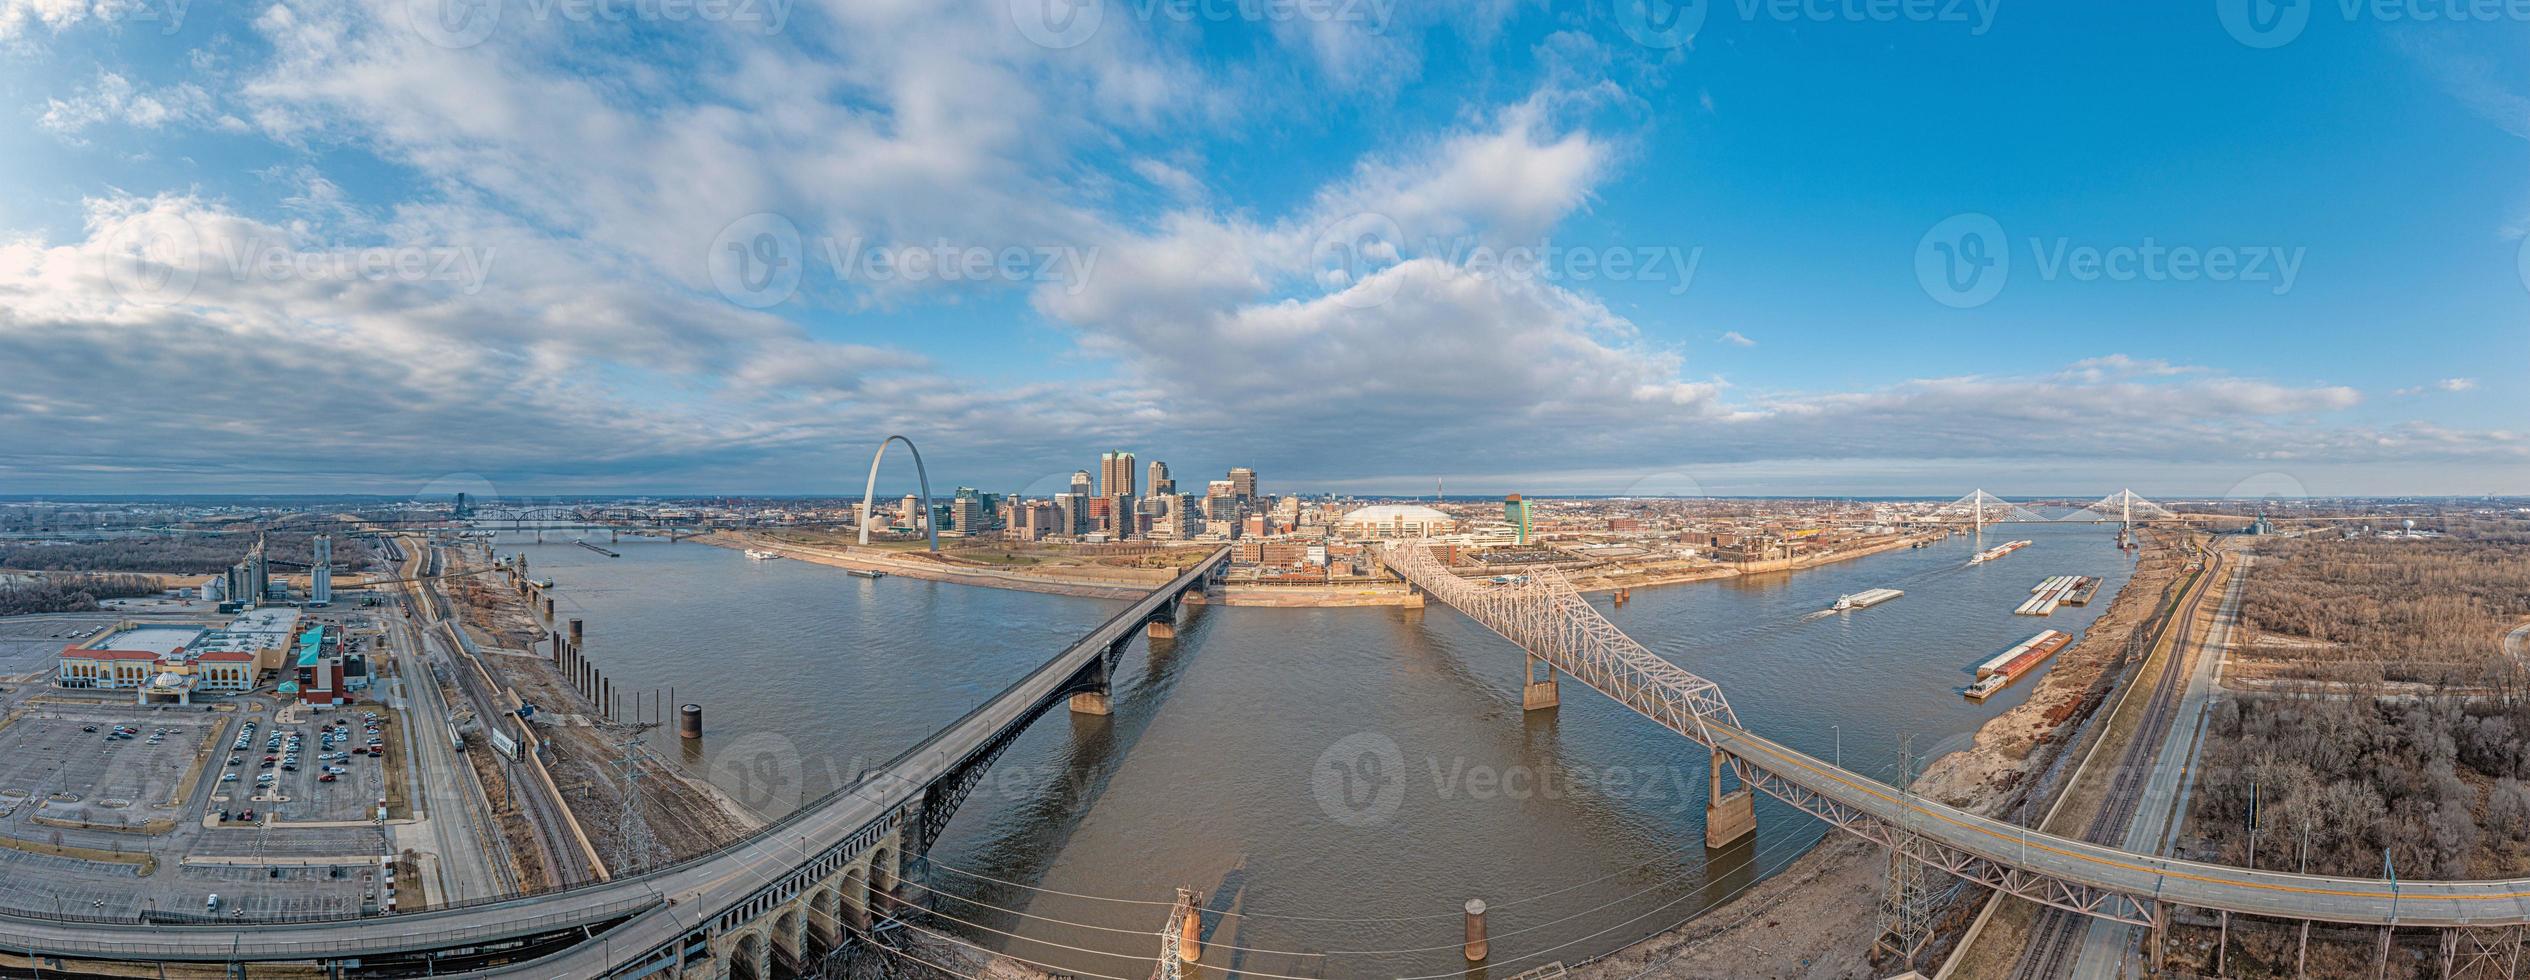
[2448, 385]
[1736, 339]
[114, 99]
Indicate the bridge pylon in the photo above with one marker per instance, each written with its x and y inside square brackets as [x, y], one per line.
[1731, 816]
[1535, 694]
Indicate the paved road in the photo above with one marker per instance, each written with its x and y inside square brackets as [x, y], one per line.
[662, 904]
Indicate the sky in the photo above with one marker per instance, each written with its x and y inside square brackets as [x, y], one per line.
[1744, 247]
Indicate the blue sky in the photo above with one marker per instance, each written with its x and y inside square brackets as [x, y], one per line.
[544, 246]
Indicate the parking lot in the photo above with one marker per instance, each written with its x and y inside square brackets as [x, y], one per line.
[30, 644]
[266, 782]
[67, 763]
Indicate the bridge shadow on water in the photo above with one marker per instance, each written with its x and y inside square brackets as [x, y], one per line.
[1022, 817]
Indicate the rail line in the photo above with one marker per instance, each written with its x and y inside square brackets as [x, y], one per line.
[2059, 933]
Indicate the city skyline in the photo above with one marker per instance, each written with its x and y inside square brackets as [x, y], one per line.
[1544, 250]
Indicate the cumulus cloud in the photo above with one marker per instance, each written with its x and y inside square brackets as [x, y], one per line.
[115, 99]
[563, 329]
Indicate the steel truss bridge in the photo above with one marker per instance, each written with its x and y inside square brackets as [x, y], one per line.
[734, 911]
[1543, 614]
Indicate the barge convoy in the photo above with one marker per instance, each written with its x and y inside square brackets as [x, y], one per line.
[1998, 551]
[1865, 599]
[2064, 590]
[1999, 672]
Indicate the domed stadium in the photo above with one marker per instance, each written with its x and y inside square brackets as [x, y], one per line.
[1397, 521]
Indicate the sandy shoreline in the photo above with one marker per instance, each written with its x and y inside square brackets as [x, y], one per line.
[1278, 596]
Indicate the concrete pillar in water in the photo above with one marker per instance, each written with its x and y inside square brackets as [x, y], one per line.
[1163, 622]
[576, 633]
[1536, 694]
[689, 721]
[1727, 816]
[1476, 945]
[1095, 701]
[549, 608]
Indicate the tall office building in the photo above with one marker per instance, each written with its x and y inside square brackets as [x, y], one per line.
[1071, 514]
[1516, 512]
[1115, 474]
[320, 590]
[966, 513]
[1160, 484]
[1243, 483]
[1221, 501]
[1080, 483]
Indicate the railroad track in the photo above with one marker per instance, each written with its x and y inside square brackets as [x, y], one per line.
[2059, 933]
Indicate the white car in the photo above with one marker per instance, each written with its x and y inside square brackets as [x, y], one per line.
[228, 778]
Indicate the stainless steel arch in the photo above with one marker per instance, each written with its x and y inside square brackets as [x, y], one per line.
[870, 491]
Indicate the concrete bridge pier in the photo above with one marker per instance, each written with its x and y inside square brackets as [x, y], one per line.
[1538, 694]
[1163, 622]
[1094, 700]
[1728, 817]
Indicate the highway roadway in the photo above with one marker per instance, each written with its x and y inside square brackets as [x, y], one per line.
[663, 904]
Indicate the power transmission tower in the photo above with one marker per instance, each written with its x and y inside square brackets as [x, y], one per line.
[631, 826]
[1908, 905]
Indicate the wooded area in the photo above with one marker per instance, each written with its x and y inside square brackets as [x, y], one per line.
[178, 554]
[2412, 734]
[70, 593]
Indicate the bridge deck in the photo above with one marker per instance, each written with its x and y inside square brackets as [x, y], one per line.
[1544, 616]
[663, 904]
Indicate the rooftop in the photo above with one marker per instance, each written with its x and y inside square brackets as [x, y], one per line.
[160, 640]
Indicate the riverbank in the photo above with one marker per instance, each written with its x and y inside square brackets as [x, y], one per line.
[1281, 596]
[685, 814]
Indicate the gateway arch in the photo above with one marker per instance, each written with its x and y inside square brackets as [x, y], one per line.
[870, 491]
